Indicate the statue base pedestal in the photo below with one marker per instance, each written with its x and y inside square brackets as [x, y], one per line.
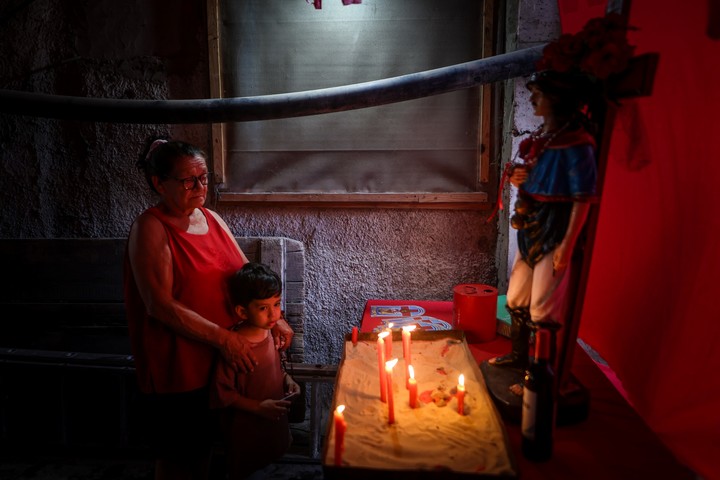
[573, 404]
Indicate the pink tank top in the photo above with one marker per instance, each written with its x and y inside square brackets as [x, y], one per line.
[165, 361]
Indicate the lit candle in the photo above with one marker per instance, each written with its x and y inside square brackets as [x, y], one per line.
[354, 336]
[381, 365]
[461, 394]
[412, 387]
[391, 406]
[406, 331]
[406, 351]
[388, 341]
[340, 427]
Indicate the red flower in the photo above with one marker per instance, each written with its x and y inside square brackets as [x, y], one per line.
[601, 63]
[599, 49]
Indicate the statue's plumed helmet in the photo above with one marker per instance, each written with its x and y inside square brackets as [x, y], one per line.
[572, 90]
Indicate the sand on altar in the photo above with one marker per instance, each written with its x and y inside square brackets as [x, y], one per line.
[432, 437]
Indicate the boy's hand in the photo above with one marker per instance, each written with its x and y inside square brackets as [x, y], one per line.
[291, 396]
[291, 387]
[273, 409]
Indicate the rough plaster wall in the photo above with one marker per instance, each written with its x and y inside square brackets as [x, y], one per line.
[353, 255]
[75, 179]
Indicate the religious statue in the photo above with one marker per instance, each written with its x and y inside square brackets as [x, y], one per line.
[557, 179]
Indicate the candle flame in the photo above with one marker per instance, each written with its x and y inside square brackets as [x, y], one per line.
[390, 364]
[383, 334]
[409, 328]
[411, 371]
[390, 325]
[340, 408]
[461, 380]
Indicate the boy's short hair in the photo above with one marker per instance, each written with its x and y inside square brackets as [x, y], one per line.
[254, 281]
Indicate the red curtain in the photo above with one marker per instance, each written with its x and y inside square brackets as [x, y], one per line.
[652, 306]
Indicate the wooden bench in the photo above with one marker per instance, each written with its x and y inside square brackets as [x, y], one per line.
[66, 370]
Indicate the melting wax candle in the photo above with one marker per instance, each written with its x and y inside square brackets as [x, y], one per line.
[461, 394]
[406, 331]
[381, 365]
[412, 387]
[340, 427]
[389, 341]
[391, 405]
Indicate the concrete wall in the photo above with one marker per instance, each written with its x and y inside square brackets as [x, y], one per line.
[77, 179]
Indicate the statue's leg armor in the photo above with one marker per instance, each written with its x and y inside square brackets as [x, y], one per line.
[519, 338]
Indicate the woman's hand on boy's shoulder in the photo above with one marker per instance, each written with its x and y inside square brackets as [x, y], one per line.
[235, 349]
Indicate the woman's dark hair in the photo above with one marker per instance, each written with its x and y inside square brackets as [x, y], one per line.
[254, 281]
[159, 155]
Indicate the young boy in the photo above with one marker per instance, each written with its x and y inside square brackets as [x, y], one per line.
[254, 421]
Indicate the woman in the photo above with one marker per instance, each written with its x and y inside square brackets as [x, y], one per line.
[556, 185]
[179, 256]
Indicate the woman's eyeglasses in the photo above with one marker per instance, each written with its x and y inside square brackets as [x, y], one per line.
[189, 183]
